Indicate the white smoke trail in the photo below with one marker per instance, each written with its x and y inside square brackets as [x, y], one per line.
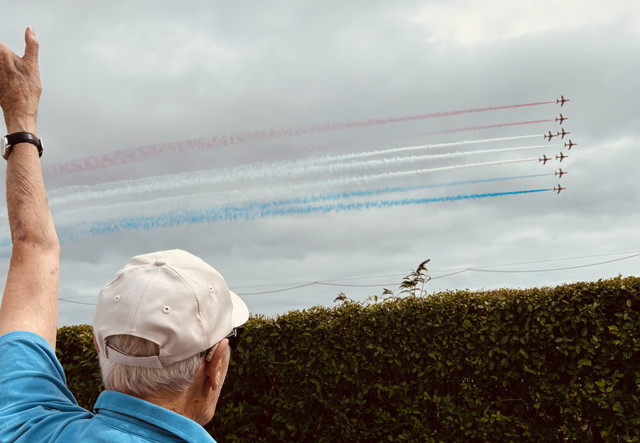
[102, 209]
[241, 176]
[387, 175]
[354, 155]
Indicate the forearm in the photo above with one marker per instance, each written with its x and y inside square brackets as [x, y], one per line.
[30, 301]
[30, 297]
[30, 220]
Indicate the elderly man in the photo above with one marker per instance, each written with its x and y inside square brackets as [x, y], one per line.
[164, 325]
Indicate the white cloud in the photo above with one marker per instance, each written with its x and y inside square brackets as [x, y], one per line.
[165, 49]
[468, 23]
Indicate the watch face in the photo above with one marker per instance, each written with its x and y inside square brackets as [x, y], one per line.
[3, 147]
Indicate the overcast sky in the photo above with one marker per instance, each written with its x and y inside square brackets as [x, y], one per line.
[266, 138]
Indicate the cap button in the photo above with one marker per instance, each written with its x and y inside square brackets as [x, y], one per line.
[159, 263]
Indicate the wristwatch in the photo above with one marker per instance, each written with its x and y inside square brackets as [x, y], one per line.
[10, 140]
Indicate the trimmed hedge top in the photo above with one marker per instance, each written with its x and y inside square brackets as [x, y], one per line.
[542, 364]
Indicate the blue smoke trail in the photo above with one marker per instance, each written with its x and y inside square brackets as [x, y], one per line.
[381, 204]
[250, 212]
[379, 191]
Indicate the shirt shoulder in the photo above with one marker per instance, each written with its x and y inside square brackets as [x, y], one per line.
[33, 393]
[36, 405]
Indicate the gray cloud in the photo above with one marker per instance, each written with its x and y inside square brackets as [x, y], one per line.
[123, 75]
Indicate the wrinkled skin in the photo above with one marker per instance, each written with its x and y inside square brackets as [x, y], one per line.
[20, 85]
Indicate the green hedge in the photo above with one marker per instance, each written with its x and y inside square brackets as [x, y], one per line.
[77, 355]
[543, 364]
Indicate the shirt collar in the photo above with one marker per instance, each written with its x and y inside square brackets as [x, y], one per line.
[137, 416]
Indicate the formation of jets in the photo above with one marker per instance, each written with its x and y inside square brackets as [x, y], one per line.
[560, 134]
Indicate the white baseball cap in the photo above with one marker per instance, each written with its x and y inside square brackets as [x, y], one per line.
[171, 298]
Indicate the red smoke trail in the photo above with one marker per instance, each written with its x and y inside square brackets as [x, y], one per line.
[477, 128]
[387, 120]
[129, 155]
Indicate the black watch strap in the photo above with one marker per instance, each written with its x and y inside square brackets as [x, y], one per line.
[11, 140]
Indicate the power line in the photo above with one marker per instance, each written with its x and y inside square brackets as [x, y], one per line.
[280, 290]
[76, 302]
[460, 271]
[579, 257]
[455, 272]
[558, 269]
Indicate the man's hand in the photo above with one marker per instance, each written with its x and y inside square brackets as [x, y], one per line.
[30, 298]
[20, 86]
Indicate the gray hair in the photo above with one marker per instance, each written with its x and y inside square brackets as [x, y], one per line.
[143, 382]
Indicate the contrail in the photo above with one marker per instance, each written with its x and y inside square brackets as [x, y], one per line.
[386, 175]
[396, 189]
[387, 120]
[214, 198]
[477, 128]
[354, 155]
[381, 204]
[288, 172]
[357, 155]
[281, 170]
[141, 153]
[249, 213]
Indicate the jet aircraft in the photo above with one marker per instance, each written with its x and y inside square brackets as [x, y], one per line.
[570, 144]
[561, 157]
[544, 159]
[560, 173]
[561, 119]
[559, 188]
[561, 100]
[550, 135]
[563, 133]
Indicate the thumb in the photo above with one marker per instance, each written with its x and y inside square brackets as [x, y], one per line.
[32, 45]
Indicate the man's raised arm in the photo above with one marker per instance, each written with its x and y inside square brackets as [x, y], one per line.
[30, 300]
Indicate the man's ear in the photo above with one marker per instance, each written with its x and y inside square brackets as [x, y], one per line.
[216, 363]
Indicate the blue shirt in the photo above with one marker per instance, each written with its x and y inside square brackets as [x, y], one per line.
[36, 406]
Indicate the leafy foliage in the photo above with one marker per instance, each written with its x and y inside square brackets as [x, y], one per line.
[542, 364]
[420, 276]
[79, 359]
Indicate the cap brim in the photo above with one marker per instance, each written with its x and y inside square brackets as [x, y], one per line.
[240, 313]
